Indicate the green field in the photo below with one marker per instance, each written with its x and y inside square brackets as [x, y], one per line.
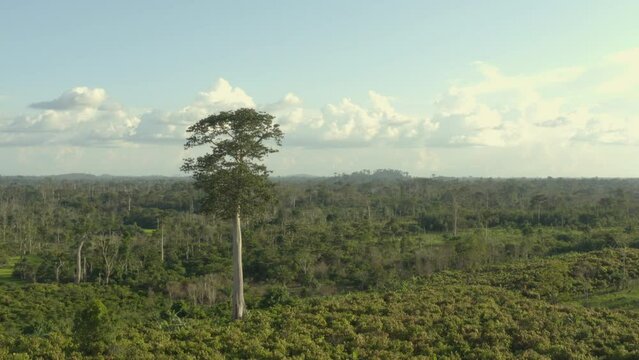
[6, 270]
[627, 299]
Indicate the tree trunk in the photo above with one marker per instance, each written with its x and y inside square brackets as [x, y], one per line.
[538, 214]
[78, 275]
[162, 243]
[454, 217]
[57, 270]
[238, 278]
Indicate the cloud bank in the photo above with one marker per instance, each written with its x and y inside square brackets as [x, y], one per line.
[549, 111]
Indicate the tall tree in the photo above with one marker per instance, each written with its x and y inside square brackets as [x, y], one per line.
[78, 273]
[232, 173]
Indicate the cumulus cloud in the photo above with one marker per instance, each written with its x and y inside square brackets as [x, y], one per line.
[349, 124]
[160, 126]
[345, 124]
[462, 120]
[222, 97]
[498, 110]
[503, 110]
[80, 116]
[379, 123]
[289, 113]
[76, 98]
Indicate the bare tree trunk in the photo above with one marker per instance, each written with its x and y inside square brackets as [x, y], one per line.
[161, 228]
[109, 254]
[78, 275]
[238, 277]
[84, 267]
[538, 214]
[162, 243]
[454, 217]
[4, 223]
[57, 270]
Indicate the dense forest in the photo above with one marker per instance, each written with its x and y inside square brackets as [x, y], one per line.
[374, 264]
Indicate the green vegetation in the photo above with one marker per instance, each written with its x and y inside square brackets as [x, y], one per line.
[427, 318]
[6, 268]
[626, 299]
[367, 265]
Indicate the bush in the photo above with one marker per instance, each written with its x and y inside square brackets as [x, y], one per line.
[93, 328]
[278, 295]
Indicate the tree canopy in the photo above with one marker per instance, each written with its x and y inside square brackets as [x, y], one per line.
[232, 174]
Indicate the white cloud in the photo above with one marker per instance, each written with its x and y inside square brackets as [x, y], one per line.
[159, 126]
[80, 116]
[532, 121]
[222, 97]
[346, 124]
[513, 110]
[289, 113]
[351, 124]
[349, 121]
[500, 110]
[343, 124]
[77, 98]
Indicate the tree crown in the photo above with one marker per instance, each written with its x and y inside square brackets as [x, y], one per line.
[232, 174]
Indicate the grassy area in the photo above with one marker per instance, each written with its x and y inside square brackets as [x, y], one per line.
[148, 231]
[627, 299]
[428, 239]
[7, 269]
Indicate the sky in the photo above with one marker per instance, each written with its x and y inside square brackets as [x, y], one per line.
[451, 88]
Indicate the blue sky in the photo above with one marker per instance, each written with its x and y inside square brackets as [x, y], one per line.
[493, 88]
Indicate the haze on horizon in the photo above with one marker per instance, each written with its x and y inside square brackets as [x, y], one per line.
[495, 88]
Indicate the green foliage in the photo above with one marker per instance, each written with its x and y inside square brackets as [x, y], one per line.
[449, 322]
[556, 278]
[277, 295]
[324, 235]
[93, 329]
[626, 299]
[27, 268]
[232, 174]
[537, 269]
[7, 265]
